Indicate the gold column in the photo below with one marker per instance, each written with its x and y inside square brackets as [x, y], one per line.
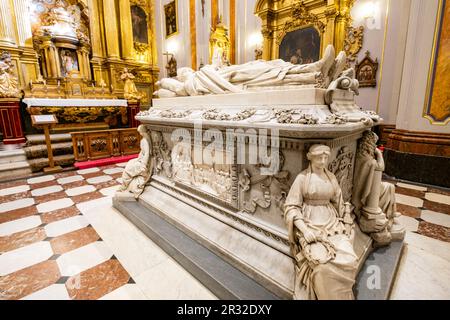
[192, 23]
[267, 43]
[52, 64]
[233, 31]
[331, 15]
[7, 34]
[22, 12]
[55, 61]
[111, 32]
[342, 19]
[46, 43]
[96, 34]
[85, 56]
[126, 30]
[214, 13]
[81, 64]
[339, 33]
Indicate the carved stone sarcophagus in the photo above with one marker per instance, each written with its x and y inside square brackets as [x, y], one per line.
[222, 167]
[258, 163]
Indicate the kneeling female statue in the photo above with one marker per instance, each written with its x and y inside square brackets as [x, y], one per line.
[321, 232]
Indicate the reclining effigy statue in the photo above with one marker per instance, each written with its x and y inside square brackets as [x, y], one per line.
[252, 75]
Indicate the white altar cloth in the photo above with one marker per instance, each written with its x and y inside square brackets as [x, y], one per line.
[30, 102]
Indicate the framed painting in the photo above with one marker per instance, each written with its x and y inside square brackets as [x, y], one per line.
[301, 46]
[171, 18]
[140, 25]
[69, 61]
[366, 71]
[437, 101]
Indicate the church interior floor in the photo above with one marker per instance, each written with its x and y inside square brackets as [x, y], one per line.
[60, 238]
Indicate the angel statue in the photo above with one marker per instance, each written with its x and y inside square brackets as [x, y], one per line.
[130, 90]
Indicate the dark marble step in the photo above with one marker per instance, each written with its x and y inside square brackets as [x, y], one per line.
[65, 160]
[40, 151]
[220, 277]
[374, 281]
[39, 139]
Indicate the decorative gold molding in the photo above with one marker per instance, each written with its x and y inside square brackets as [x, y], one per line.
[176, 19]
[192, 23]
[440, 16]
[301, 18]
[214, 13]
[353, 42]
[330, 18]
[233, 31]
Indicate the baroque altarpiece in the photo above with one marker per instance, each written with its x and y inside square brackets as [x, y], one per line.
[79, 48]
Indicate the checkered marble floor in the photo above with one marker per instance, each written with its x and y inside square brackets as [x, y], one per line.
[60, 238]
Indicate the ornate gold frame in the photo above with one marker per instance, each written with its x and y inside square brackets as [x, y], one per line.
[373, 64]
[176, 20]
[433, 61]
[331, 19]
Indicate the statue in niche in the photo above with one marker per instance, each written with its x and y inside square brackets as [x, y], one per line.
[320, 227]
[130, 90]
[138, 171]
[255, 74]
[374, 200]
[8, 80]
[68, 62]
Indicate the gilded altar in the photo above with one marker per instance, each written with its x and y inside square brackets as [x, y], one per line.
[51, 41]
[78, 114]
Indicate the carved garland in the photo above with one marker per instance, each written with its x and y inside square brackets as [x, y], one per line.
[287, 116]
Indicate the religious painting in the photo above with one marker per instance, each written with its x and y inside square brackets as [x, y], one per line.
[437, 104]
[170, 11]
[140, 25]
[366, 71]
[301, 46]
[69, 61]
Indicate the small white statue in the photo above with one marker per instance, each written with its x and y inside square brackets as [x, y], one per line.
[138, 171]
[374, 200]
[320, 227]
